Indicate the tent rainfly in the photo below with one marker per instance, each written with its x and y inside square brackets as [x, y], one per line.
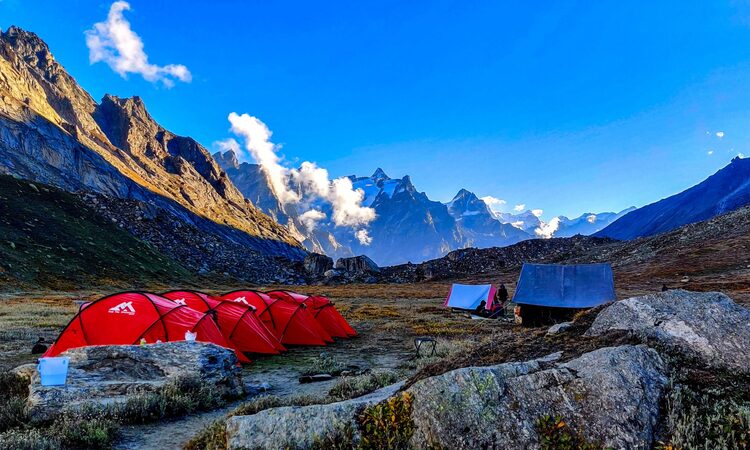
[290, 322]
[128, 317]
[470, 296]
[323, 310]
[576, 286]
[237, 322]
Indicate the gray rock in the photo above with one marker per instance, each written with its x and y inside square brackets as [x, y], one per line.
[298, 426]
[317, 264]
[559, 328]
[102, 375]
[333, 273]
[357, 264]
[610, 395]
[708, 326]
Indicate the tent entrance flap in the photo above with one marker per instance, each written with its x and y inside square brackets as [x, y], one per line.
[470, 296]
[565, 286]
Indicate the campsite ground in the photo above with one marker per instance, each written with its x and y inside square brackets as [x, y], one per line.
[387, 317]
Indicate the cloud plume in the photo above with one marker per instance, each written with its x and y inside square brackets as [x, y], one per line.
[116, 44]
[519, 208]
[493, 203]
[363, 237]
[313, 181]
[311, 218]
[547, 229]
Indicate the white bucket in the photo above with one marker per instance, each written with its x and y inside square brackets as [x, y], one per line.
[53, 371]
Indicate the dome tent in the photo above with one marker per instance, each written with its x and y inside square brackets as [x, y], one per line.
[290, 321]
[323, 310]
[128, 317]
[237, 322]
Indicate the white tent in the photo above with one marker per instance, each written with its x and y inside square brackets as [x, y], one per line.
[470, 296]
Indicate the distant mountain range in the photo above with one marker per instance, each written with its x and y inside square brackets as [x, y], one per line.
[726, 190]
[409, 225]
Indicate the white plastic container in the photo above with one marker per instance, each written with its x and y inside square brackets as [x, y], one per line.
[53, 371]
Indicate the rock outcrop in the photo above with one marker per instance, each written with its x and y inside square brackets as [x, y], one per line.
[610, 395]
[105, 375]
[298, 426]
[317, 265]
[708, 326]
[357, 265]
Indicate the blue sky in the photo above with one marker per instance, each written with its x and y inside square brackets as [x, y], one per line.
[568, 107]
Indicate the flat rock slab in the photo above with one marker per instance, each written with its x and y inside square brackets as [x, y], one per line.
[611, 395]
[107, 374]
[705, 325]
[298, 426]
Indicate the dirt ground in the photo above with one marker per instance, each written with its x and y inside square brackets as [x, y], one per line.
[387, 318]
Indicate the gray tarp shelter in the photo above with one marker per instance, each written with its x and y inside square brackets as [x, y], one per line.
[565, 286]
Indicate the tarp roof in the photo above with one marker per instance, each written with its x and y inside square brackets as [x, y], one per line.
[565, 286]
[469, 296]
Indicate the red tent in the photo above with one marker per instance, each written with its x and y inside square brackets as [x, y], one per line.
[237, 322]
[128, 317]
[291, 322]
[322, 309]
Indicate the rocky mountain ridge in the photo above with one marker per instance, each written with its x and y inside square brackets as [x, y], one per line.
[52, 131]
[725, 191]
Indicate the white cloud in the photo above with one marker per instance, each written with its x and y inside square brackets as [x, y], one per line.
[312, 179]
[710, 152]
[741, 155]
[591, 218]
[363, 237]
[537, 212]
[493, 203]
[263, 151]
[518, 224]
[229, 145]
[519, 208]
[115, 43]
[719, 134]
[347, 204]
[547, 230]
[314, 182]
[311, 218]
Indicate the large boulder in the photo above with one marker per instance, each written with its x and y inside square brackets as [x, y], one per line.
[299, 426]
[358, 265]
[102, 375]
[316, 264]
[708, 326]
[611, 396]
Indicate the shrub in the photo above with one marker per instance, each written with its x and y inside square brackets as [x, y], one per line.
[88, 428]
[324, 363]
[13, 393]
[387, 424]
[700, 420]
[31, 439]
[178, 397]
[356, 386]
[212, 437]
[555, 434]
[341, 439]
